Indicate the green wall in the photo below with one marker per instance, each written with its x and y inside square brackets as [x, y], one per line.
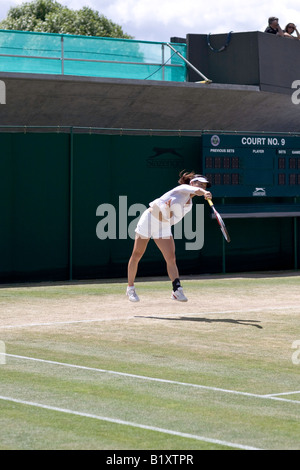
[34, 172]
[52, 185]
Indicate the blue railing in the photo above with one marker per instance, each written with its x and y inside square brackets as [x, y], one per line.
[63, 54]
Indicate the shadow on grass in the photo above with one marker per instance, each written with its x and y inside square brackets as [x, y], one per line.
[207, 320]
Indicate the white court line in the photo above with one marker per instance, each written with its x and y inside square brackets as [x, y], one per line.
[154, 379]
[92, 320]
[70, 322]
[129, 423]
[284, 393]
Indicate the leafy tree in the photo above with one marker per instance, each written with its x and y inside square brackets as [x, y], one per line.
[49, 16]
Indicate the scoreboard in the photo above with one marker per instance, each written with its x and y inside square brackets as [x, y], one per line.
[246, 165]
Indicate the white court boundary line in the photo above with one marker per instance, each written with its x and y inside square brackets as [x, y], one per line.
[155, 379]
[284, 393]
[129, 423]
[138, 425]
[92, 320]
[70, 322]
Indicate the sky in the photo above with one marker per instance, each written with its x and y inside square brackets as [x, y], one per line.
[159, 20]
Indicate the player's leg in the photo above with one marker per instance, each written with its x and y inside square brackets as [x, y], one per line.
[167, 247]
[140, 245]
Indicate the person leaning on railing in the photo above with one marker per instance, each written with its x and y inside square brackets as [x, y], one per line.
[289, 30]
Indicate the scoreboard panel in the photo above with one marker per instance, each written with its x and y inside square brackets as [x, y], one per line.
[252, 165]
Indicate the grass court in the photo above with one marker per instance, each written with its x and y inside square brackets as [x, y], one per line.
[86, 369]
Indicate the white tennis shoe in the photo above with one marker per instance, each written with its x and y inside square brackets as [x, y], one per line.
[132, 295]
[179, 295]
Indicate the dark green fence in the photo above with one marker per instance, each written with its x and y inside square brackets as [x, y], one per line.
[34, 206]
[56, 188]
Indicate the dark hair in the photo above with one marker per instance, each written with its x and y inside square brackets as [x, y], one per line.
[292, 25]
[186, 176]
[272, 18]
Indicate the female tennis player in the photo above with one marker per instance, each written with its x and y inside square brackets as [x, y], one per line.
[156, 223]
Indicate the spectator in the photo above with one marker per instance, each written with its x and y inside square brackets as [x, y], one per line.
[274, 27]
[289, 30]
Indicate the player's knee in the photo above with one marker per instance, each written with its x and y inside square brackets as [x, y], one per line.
[137, 254]
[170, 258]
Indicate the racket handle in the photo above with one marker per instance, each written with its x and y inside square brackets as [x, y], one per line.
[210, 202]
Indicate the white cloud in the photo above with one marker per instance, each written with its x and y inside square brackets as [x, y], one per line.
[158, 20]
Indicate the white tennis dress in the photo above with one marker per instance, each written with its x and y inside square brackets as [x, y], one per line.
[171, 207]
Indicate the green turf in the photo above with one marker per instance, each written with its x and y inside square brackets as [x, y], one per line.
[246, 350]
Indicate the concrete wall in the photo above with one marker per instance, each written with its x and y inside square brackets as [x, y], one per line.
[54, 100]
[251, 58]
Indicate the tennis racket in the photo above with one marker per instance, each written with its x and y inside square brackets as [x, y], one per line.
[220, 221]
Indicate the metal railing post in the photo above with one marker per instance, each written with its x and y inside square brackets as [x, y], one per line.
[163, 60]
[62, 55]
[207, 80]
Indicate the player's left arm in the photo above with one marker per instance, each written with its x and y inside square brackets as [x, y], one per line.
[203, 192]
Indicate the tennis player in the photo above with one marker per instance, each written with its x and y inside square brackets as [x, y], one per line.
[156, 223]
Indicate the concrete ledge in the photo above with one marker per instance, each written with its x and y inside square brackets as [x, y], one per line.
[55, 100]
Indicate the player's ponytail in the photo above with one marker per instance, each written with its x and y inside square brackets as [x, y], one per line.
[186, 177]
